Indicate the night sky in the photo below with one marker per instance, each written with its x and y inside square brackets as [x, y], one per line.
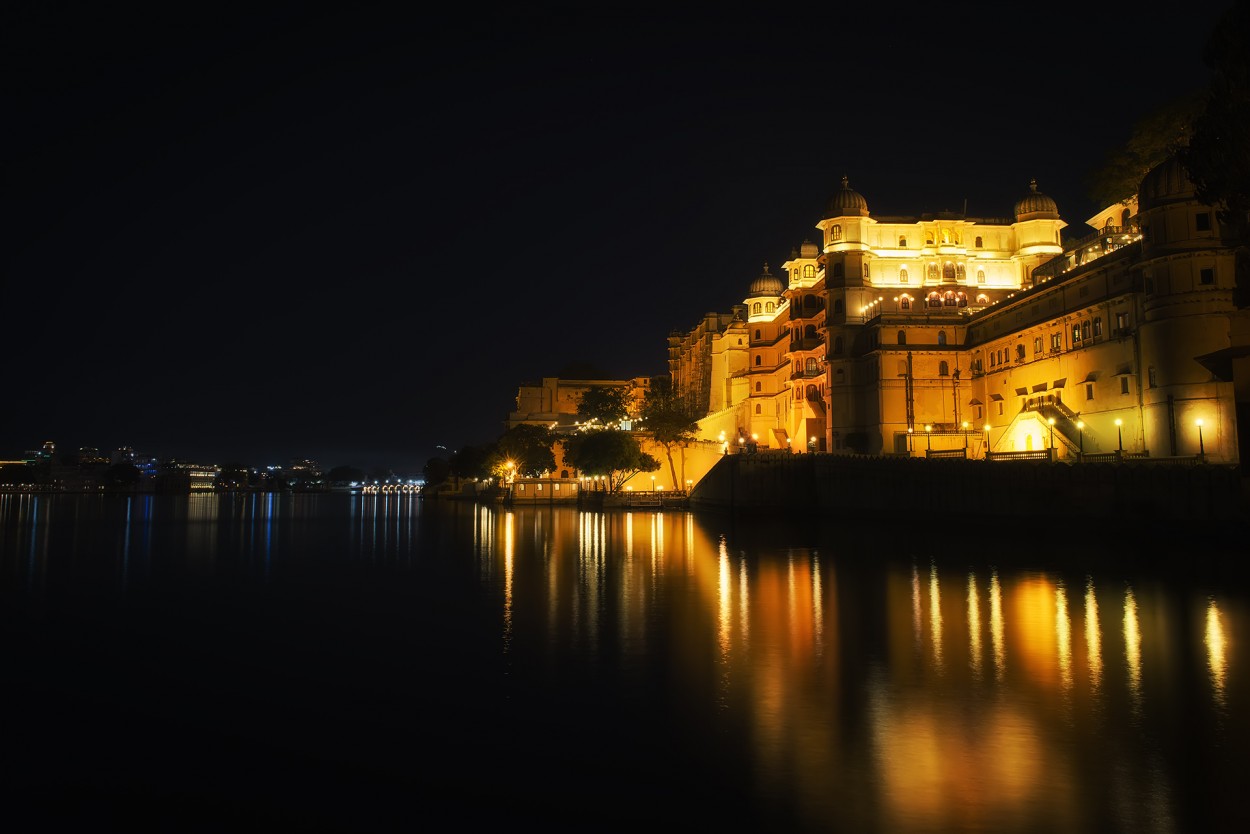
[349, 236]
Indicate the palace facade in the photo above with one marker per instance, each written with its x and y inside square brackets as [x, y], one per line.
[967, 336]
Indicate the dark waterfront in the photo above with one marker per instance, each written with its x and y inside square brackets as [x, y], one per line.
[365, 663]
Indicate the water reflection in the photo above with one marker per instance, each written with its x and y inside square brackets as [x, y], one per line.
[836, 683]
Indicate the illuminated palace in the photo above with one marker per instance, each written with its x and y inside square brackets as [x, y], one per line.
[953, 335]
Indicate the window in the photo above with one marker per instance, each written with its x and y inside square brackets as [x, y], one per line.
[811, 365]
[809, 271]
[1152, 379]
[993, 358]
[943, 369]
[904, 303]
[757, 387]
[1020, 352]
[835, 233]
[865, 270]
[960, 273]
[1037, 345]
[1076, 333]
[934, 300]
[757, 408]
[1089, 390]
[941, 337]
[755, 308]
[768, 307]
[1202, 221]
[902, 337]
[902, 275]
[1084, 330]
[932, 270]
[1000, 408]
[1124, 385]
[1097, 327]
[977, 243]
[982, 298]
[759, 360]
[1206, 275]
[1056, 342]
[949, 299]
[1121, 321]
[980, 276]
[948, 272]
[757, 335]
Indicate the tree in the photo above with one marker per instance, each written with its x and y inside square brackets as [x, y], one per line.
[471, 462]
[436, 471]
[1217, 158]
[607, 404]
[1153, 139]
[666, 418]
[122, 476]
[613, 454]
[340, 475]
[529, 447]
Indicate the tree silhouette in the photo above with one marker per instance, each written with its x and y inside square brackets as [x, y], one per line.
[666, 419]
[613, 454]
[607, 404]
[529, 447]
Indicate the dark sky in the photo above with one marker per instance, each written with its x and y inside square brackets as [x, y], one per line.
[351, 235]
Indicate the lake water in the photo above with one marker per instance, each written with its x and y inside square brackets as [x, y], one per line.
[366, 663]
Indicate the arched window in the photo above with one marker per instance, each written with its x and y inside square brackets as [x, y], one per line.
[943, 368]
[983, 299]
[902, 242]
[835, 233]
[941, 337]
[902, 275]
[811, 366]
[810, 302]
[768, 307]
[809, 271]
[1019, 351]
[935, 300]
[837, 344]
[837, 270]
[757, 387]
[980, 276]
[755, 308]
[902, 337]
[904, 302]
[757, 408]
[812, 393]
[948, 272]
[977, 242]
[837, 307]
[960, 273]
[1084, 330]
[1124, 216]
[759, 360]
[962, 299]
[757, 335]
[932, 271]
[865, 269]
[949, 300]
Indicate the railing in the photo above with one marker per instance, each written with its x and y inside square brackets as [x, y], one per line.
[1035, 454]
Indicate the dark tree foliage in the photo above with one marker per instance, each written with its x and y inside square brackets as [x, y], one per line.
[436, 471]
[122, 475]
[668, 421]
[341, 475]
[529, 447]
[613, 454]
[1154, 138]
[608, 404]
[1217, 158]
[471, 462]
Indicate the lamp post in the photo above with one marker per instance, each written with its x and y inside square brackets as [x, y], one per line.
[1051, 423]
[928, 436]
[653, 483]
[1119, 433]
[987, 441]
[965, 436]
[1202, 450]
[1080, 434]
[909, 443]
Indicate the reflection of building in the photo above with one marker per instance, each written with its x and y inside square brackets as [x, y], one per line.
[963, 335]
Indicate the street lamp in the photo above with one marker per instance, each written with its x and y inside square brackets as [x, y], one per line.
[1080, 433]
[928, 437]
[653, 483]
[965, 435]
[1202, 450]
[909, 441]
[1119, 433]
[987, 441]
[1051, 422]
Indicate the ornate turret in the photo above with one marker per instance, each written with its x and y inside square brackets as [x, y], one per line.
[847, 203]
[1036, 206]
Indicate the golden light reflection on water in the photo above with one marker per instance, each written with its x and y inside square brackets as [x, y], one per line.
[1093, 639]
[935, 616]
[1132, 649]
[974, 627]
[724, 600]
[1063, 636]
[1216, 645]
[996, 626]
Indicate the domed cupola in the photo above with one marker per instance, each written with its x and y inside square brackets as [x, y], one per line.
[809, 249]
[847, 203]
[1167, 182]
[1036, 206]
[766, 285]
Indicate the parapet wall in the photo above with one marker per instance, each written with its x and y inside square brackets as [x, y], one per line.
[915, 488]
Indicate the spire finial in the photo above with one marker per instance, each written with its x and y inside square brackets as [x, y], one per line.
[845, 182]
